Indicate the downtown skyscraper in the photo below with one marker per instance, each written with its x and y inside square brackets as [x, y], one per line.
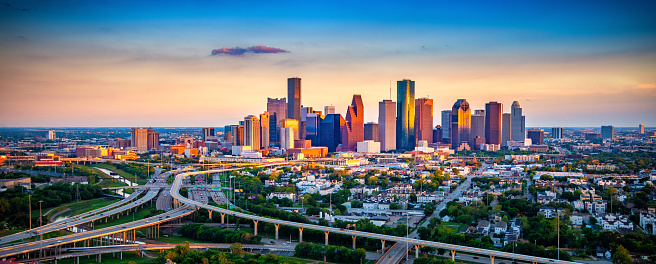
[493, 121]
[264, 129]
[405, 114]
[252, 132]
[354, 128]
[477, 132]
[294, 99]
[518, 123]
[460, 123]
[387, 125]
[424, 119]
[446, 124]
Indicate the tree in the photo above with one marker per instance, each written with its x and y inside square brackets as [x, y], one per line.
[413, 198]
[236, 249]
[456, 171]
[622, 256]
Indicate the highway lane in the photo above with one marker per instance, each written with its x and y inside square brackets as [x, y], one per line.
[59, 241]
[59, 225]
[178, 181]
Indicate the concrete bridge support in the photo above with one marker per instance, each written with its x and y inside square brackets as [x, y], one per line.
[354, 238]
[492, 259]
[255, 227]
[327, 237]
[300, 235]
[416, 251]
[453, 255]
[276, 225]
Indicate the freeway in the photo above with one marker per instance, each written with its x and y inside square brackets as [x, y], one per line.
[85, 251]
[492, 253]
[114, 234]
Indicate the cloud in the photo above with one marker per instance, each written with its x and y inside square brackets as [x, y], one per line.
[646, 86]
[241, 51]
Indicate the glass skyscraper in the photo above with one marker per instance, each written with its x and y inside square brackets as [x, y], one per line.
[405, 114]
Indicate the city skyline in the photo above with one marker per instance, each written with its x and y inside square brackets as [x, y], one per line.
[189, 64]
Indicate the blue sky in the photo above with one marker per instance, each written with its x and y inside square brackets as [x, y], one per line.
[138, 63]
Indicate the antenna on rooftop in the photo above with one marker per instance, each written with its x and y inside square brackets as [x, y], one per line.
[390, 89]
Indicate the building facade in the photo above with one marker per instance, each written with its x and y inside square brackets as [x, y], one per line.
[493, 121]
[371, 131]
[294, 98]
[536, 135]
[557, 132]
[354, 127]
[518, 123]
[387, 125]
[405, 114]
[607, 132]
[478, 127]
[330, 130]
[460, 123]
[446, 124]
[424, 119]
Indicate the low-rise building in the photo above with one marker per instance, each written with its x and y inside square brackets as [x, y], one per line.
[280, 195]
[613, 221]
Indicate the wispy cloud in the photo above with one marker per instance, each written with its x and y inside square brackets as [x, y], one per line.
[237, 51]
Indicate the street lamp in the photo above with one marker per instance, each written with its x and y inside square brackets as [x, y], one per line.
[41, 231]
[29, 197]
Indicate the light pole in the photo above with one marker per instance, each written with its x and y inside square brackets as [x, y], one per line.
[41, 231]
[407, 235]
[558, 228]
[29, 198]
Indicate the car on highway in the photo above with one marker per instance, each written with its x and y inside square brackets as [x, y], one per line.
[475, 257]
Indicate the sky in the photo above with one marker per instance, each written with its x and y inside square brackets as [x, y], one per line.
[211, 63]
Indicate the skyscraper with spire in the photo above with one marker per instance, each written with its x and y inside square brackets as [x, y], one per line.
[518, 123]
[405, 114]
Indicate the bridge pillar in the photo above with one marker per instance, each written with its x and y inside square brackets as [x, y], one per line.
[354, 238]
[492, 259]
[300, 235]
[416, 251]
[327, 237]
[222, 218]
[276, 225]
[77, 260]
[99, 258]
[453, 255]
[383, 242]
[255, 227]
[120, 255]
[210, 214]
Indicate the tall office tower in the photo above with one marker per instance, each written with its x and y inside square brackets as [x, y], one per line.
[208, 132]
[354, 127]
[153, 139]
[387, 125]
[556, 132]
[446, 124]
[536, 135]
[518, 123]
[278, 107]
[238, 135]
[641, 129]
[329, 110]
[140, 139]
[424, 119]
[460, 123]
[52, 135]
[305, 111]
[294, 99]
[291, 123]
[506, 129]
[312, 128]
[274, 132]
[330, 131]
[264, 130]
[252, 132]
[405, 114]
[477, 126]
[287, 137]
[227, 133]
[607, 132]
[371, 132]
[437, 134]
[493, 113]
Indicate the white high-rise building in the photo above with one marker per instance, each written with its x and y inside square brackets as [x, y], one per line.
[52, 135]
[368, 146]
[287, 137]
[252, 132]
[518, 123]
[387, 125]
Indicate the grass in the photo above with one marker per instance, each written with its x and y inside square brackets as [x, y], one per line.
[177, 240]
[71, 205]
[10, 232]
[120, 172]
[109, 259]
[453, 225]
[83, 207]
[139, 214]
